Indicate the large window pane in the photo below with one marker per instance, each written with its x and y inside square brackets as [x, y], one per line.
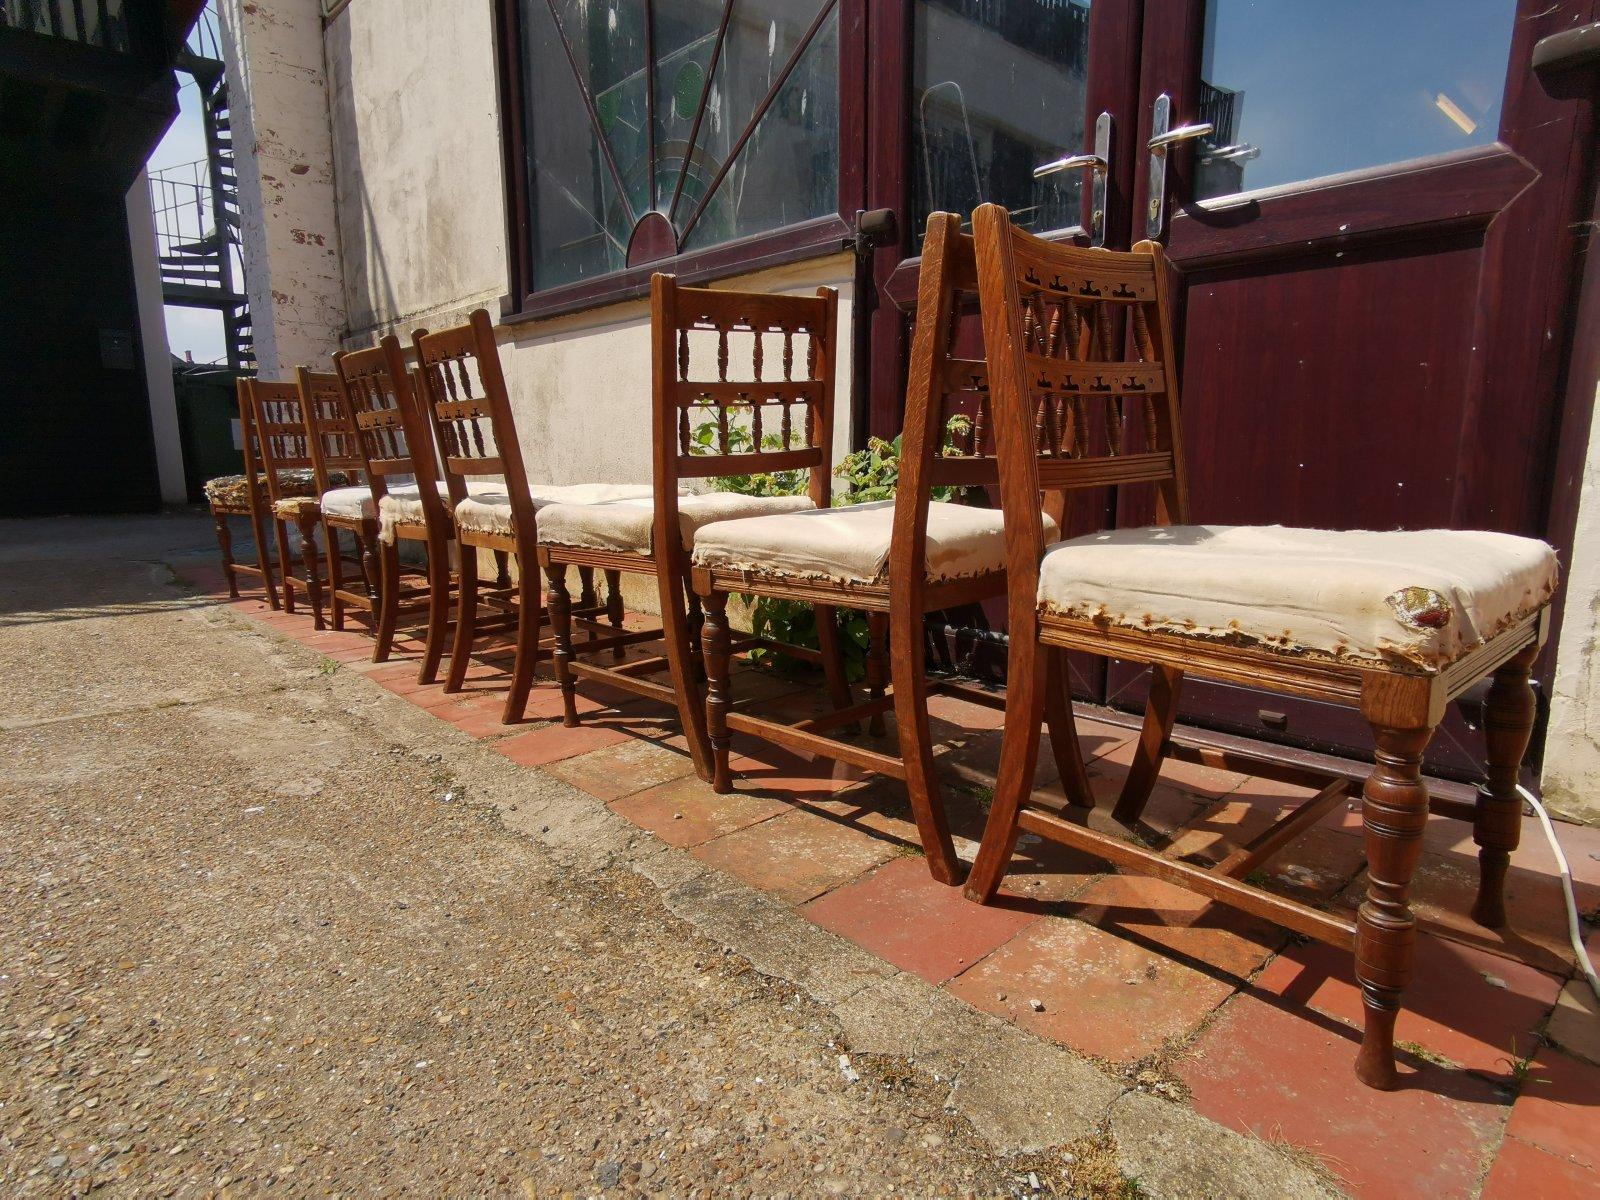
[1298, 91]
[726, 117]
[998, 88]
[788, 169]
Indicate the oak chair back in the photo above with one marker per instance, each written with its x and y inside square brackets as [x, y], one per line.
[280, 429]
[1081, 390]
[742, 385]
[393, 437]
[335, 448]
[462, 391]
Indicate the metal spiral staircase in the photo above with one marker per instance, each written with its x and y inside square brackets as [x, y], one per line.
[196, 209]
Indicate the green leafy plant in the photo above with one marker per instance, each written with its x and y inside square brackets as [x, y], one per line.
[866, 475]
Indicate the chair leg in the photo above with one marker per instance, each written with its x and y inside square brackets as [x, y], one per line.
[1019, 756]
[697, 619]
[225, 546]
[331, 542]
[916, 751]
[388, 602]
[466, 620]
[1508, 714]
[877, 665]
[530, 616]
[502, 569]
[258, 530]
[559, 602]
[1394, 811]
[715, 647]
[587, 599]
[370, 566]
[1160, 711]
[280, 531]
[832, 656]
[306, 524]
[1063, 728]
[680, 632]
[614, 609]
[438, 609]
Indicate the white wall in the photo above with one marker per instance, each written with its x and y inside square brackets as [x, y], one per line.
[277, 95]
[1571, 781]
[153, 343]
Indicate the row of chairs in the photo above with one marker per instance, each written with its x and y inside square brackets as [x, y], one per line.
[1073, 389]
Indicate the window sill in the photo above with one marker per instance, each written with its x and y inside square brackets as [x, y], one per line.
[810, 239]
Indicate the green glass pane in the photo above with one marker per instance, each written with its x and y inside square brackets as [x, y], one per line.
[788, 169]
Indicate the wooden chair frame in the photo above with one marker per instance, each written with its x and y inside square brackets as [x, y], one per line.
[264, 569]
[896, 608]
[1029, 287]
[394, 438]
[285, 444]
[674, 312]
[336, 448]
[457, 409]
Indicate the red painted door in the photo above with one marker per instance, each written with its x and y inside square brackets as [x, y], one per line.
[1371, 249]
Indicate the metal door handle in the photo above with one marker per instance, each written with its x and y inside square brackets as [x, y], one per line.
[1099, 164]
[1182, 133]
[1068, 164]
[1162, 139]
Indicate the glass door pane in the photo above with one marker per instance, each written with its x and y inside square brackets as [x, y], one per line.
[1299, 91]
[997, 89]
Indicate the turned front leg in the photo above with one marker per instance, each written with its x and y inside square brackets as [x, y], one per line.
[1394, 812]
[716, 646]
[225, 545]
[558, 603]
[306, 525]
[1508, 713]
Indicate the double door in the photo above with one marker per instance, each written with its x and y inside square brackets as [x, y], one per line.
[1369, 209]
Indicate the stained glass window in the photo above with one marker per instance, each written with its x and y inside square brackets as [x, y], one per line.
[657, 126]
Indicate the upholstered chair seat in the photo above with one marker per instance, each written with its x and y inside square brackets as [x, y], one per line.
[626, 526]
[233, 491]
[851, 544]
[1417, 600]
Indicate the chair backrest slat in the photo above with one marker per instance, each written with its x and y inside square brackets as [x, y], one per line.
[743, 384]
[392, 434]
[280, 430]
[1080, 352]
[335, 446]
[462, 390]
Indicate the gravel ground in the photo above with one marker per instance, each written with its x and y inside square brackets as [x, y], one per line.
[250, 944]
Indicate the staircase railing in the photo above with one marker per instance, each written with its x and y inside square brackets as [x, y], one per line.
[92, 22]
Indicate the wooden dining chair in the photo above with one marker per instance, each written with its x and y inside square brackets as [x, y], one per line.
[1394, 624]
[293, 493]
[462, 390]
[896, 560]
[347, 505]
[396, 445]
[244, 496]
[652, 534]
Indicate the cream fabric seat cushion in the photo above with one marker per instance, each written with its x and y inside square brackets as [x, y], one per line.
[355, 503]
[626, 526]
[403, 504]
[851, 544]
[490, 511]
[1413, 599]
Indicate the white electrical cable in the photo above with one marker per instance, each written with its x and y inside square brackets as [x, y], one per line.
[1574, 929]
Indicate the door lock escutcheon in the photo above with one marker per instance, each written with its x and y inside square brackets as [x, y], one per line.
[1162, 139]
[1099, 164]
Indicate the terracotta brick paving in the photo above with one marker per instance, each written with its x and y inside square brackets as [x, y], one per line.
[1257, 1028]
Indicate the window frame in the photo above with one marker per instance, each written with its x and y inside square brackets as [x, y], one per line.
[815, 238]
